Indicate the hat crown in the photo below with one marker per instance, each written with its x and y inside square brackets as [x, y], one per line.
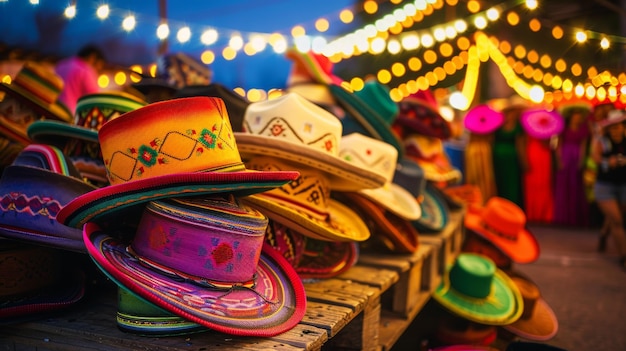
[410, 175]
[294, 119]
[169, 137]
[472, 275]
[504, 217]
[212, 238]
[309, 193]
[369, 153]
[530, 295]
[40, 83]
[378, 97]
[94, 110]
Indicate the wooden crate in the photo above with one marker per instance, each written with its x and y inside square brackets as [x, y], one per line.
[446, 246]
[408, 293]
[366, 308]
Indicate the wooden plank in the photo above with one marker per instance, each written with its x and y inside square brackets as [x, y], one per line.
[360, 334]
[411, 269]
[380, 278]
[329, 317]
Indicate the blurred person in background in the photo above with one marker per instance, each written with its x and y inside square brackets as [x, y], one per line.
[80, 74]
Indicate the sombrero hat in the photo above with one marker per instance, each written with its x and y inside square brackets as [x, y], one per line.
[435, 210]
[204, 259]
[80, 140]
[235, 103]
[178, 147]
[503, 223]
[473, 288]
[538, 321]
[92, 112]
[380, 157]
[613, 117]
[378, 97]
[568, 108]
[541, 124]
[312, 76]
[32, 192]
[396, 234]
[452, 329]
[311, 258]
[419, 113]
[429, 153]
[483, 119]
[36, 280]
[39, 87]
[475, 243]
[294, 129]
[31, 96]
[137, 316]
[305, 204]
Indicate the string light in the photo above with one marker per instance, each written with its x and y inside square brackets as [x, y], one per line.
[183, 35]
[163, 31]
[129, 23]
[103, 11]
[70, 11]
[209, 37]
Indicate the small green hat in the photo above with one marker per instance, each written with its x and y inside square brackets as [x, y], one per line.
[475, 289]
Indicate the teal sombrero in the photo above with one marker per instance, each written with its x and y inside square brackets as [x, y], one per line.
[369, 112]
[174, 148]
[92, 112]
[79, 140]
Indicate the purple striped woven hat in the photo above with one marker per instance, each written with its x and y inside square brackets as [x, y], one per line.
[204, 259]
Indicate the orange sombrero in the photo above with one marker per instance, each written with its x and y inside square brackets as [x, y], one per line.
[503, 223]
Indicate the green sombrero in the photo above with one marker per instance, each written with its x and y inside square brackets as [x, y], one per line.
[475, 289]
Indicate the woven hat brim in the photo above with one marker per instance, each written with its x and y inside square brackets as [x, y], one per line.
[242, 312]
[66, 292]
[396, 200]
[28, 225]
[343, 224]
[137, 316]
[331, 269]
[54, 110]
[12, 132]
[523, 250]
[482, 128]
[106, 202]
[56, 133]
[541, 326]
[398, 234]
[539, 132]
[342, 175]
[435, 212]
[503, 306]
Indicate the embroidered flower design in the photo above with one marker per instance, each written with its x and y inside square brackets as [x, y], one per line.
[277, 129]
[208, 138]
[147, 155]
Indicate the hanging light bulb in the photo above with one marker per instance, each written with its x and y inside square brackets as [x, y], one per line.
[103, 11]
[604, 43]
[70, 11]
[129, 23]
